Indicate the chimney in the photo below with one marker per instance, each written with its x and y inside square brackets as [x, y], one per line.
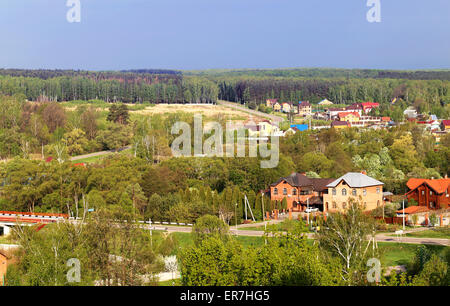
[364, 172]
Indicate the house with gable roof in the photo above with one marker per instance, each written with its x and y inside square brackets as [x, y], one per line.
[355, 186]
[433, 194]
[300, 191]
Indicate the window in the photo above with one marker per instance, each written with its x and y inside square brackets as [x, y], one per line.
[294, 191]
[275, 191]
[344, 192]
[423, 192]
[344, 205]
[378, 189]
[431, 193]
[378, 203]
[326, 206]
[354, 192]
[284, 191]
[364, 192]
[334, 205]
[334, 191]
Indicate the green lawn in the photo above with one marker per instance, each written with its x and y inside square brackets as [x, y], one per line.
[169, 283]
[395, 254]
[432, 233]
[185, 240]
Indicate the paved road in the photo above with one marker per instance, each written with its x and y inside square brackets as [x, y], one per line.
[275, 119]
[75, 158]
[255, 233]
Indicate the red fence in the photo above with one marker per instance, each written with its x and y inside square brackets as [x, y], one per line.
[393, 220]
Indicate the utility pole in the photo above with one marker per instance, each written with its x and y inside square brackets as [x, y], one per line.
[151, 236]
[403, 202]
[235, 216]
[262, 203]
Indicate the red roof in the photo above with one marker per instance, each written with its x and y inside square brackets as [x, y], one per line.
[343, 115]
[413, 210]
[387, 119]
[370, 104]
[440, 185]
[446, 122]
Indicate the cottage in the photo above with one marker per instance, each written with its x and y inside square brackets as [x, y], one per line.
[433, 194]
[300, 191]
[325, 102]
[369, 106]
[271, 102]
[349, 117]
[304, 108]
[357, 186]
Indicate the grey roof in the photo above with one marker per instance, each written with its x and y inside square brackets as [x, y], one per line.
[300, 180]
[356, 180]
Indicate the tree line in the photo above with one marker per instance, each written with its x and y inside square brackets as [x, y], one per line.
[120, 88]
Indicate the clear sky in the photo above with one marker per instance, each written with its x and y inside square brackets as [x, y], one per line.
[203, 34]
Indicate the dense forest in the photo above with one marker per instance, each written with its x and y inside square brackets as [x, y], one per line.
[329, 73]
[127, 87]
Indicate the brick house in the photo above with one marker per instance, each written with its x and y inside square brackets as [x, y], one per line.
[3, 267]
[300, 191]
[357, 186]
[433, 194]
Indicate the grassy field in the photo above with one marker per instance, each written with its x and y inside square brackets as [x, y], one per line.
[395, 254]
[432, 233]
[207, 110]
[94, 159]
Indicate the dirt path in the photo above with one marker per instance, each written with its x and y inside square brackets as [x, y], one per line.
[75, 158]
[275, 119]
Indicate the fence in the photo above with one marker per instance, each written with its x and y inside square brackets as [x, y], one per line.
[393, 220]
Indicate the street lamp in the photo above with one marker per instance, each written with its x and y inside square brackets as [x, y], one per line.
[235, 216]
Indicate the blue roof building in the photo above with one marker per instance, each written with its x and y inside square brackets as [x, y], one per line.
[300, 127]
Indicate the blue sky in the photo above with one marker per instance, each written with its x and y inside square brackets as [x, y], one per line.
[203, 34]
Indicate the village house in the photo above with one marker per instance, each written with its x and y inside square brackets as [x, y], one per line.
[325, 102]
[340, 124]
[356, 186]
[300, 191]
[445, 125]
[433, 194]
[271, 102]
[410, 112]
[286, 107]
[369, 106]
[349, 117]
[263, 128]
[333, 113]
[304, 108]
